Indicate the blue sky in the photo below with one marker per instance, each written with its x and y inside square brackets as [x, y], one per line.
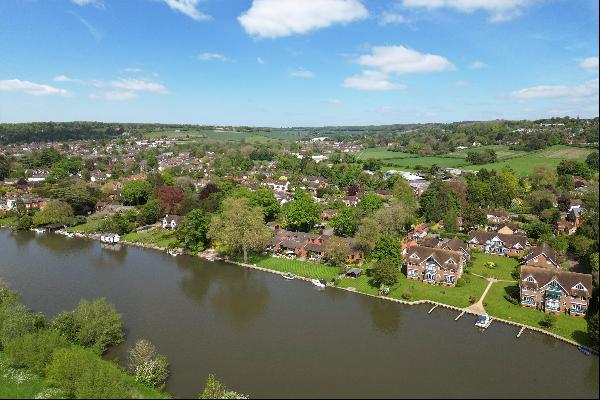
[297, 62]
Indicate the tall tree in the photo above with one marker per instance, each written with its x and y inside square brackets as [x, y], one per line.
[240, 227]
[302, 213]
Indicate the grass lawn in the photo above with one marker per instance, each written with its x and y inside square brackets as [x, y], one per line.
[504, 266]
[158, 237]
[502, 151]
[92, 225]
[8, 221]
[552, 156]
[296, 267]
[381, 153]
[413, 162]
[454, 296]
[18, 383]
[574, 328]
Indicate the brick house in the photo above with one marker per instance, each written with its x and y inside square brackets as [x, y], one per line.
[542, 256]
[554, 290]
[498, 243]
[433, 266]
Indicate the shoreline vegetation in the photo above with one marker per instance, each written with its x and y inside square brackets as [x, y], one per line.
[566, 328]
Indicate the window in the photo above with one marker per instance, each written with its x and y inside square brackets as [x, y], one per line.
[530, 279]
[450, 261]
[579, 286]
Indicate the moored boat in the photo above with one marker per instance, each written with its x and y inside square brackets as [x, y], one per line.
[483, 321]
[289, 276]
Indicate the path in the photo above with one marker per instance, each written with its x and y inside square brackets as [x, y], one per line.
[478, 307]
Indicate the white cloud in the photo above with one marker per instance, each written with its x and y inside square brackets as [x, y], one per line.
[133, 85]
[95, 32]
[499, 10]
[260, 60]
[301, 73]
[187, 7]
[392, 18]
[64, 78]
[95, 3]
[114, 95]
[586, 89]
[478, 65]
[402, 60]
[589, 64]
[36, 89]
[372, 81]
[279, 18]
[211, 57]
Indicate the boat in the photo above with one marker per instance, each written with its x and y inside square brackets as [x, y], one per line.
[172, 252]
[289, 276]
[483, 321]
[319, 282]
[69, 234]
[585, 350]
[39, 230]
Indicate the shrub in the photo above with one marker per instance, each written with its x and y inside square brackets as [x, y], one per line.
[548, 321]
[407, 295]
[82, 374]
[94, 324]
[17, 321]
[34, 350]
[153, 372]
[511, 299]
[216, 390]
[472, 299]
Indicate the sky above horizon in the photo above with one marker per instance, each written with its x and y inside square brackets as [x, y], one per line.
[287, 63]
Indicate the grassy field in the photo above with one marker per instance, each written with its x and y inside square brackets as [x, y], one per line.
[504, 266]
[574, 328]
[381, 153]
[296, 267]
[158, 237]
[8, 222]
[249, 137]
[412, 162]
[502, 151]
[18, 383]
[525, 164]
[92, 225]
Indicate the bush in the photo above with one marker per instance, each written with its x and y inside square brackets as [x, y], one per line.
[17, 320]
[82, 374]
[34, 350]
[472, 299]
[407, 295]
[548, 321]
[94, 324]
[153, 372]
[511, 299]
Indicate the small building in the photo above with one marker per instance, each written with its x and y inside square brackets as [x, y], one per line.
[110, 238]
[171, 221]
[498, 243]
[542, 256]
[354, 272]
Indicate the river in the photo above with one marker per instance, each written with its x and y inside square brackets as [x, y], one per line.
[267, 337]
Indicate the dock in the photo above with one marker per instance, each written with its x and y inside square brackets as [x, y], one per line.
[459, 315]
[432, 308]
[521, 331]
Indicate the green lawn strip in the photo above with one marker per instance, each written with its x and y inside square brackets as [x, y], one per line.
[454, 296]
[413, 162]
[92, 225]
[297, 267]
[20, 383]
[8, 222]
[158, 237]
[381, 153]
[570, 327]
[504, 266]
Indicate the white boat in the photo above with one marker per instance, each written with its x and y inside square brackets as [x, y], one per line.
[172, 252]
[69, 234]
[288, 276]
[39, 230]
[483, 321]
[319, 282]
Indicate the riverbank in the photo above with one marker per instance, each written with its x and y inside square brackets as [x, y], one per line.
[572, 330]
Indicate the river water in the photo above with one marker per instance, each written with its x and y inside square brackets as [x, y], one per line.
[267, 337]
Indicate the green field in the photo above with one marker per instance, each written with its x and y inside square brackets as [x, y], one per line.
[502, 151]
[296, 267]
[574, 328]
[19, 383]
[381, 153]
[504, 266]
[92, 225]
[248, 137]
[412, 162]
[157, 237]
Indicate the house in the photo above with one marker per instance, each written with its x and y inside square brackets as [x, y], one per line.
[354, 272]
[171, 221]
[497, 216]
[420, 232]
[498, 243]
[554, 290]
[542, 256]
[507, 229]
[454, 244]
[433, 266]
[110, 238]
[350, 201]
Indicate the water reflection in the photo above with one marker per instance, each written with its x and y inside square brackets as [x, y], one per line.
[56, 243]
[243, 300]
[385, 315]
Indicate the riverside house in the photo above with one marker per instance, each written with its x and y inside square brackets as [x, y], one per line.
[433, 266]
[498, 243]
[554, 290]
